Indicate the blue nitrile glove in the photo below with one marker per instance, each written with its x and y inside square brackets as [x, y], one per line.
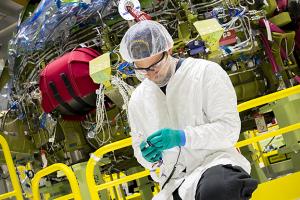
[150, 153]
[167, 138]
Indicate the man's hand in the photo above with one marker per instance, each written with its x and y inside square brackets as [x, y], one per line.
[166, 139]
[150, 153]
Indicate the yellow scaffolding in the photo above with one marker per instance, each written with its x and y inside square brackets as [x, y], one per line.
[53, 168]
[94, 188]
[17, 192]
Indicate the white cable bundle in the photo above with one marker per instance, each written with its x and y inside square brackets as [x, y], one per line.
[124, 89]
[101, 119]
[36, 94]
[100, 113]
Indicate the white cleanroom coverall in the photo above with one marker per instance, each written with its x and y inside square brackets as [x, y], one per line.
[201, 101]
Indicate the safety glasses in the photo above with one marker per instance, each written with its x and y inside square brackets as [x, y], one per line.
[151, 67]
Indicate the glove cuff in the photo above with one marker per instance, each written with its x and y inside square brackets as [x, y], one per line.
[182, 138]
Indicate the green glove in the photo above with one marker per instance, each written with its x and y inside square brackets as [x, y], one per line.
[150, 153]
[166, 139]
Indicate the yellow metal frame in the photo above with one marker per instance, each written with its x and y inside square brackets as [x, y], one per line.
[17, 192]
[53, 168]
[94, 188]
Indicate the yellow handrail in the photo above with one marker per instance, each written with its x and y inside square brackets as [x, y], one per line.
[93, 161]
[268, 135]
[68, 196]
[123, 180]
[17, 192]
[268, 98]
[93, 188]
[53, 168]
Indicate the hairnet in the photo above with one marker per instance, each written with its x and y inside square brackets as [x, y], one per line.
[144, 39]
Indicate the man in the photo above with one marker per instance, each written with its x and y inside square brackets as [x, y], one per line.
[183, 118]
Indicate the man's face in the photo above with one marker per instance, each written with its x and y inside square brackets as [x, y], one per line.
[156, 68]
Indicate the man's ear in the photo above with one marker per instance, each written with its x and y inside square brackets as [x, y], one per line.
[170, 51]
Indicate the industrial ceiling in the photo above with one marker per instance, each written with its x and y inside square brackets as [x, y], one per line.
[9, 14]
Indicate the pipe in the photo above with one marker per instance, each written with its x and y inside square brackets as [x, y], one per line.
[268, 50]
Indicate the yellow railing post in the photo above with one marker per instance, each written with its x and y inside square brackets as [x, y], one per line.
[95, 157]
[53, 168]
[17, 192]
[94, 188]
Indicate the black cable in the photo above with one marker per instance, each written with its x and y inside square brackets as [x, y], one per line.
[174, 168]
